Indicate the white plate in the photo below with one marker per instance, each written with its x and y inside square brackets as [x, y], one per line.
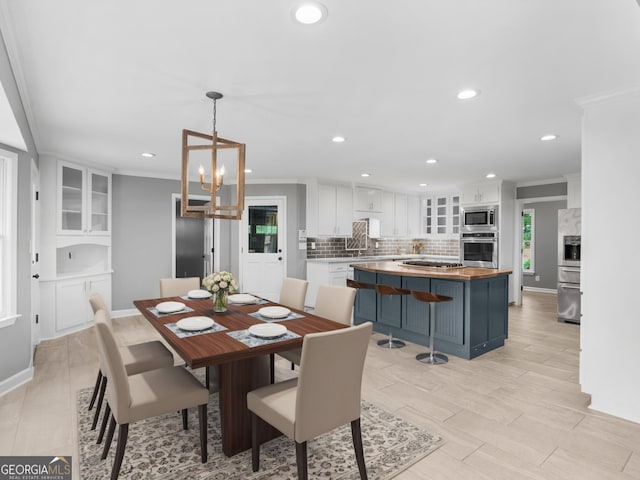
[243, 298]
[274, 312]
[198, 294]
[169, 307]
[194, 324]
[267, 330]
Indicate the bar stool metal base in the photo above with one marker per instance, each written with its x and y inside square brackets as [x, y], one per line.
[391, 343]
[432, 359]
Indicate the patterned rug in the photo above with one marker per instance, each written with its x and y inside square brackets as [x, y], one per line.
[158, 448]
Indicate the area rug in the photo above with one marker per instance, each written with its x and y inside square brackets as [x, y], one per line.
[158, 448]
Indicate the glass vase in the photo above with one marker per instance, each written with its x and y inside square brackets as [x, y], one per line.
[220, 301]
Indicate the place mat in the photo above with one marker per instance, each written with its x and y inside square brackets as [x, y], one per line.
[250, 341]
[291, 316]
[159, 449]
[155, 311]
[189, 333]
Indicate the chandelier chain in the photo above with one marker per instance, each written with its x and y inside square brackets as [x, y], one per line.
[214, 114]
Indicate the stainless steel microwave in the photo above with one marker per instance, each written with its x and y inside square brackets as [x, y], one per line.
[476, 219]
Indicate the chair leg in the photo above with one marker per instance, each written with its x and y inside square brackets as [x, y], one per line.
[185, 419]
[301, 460]
[255, 444]
[122, 442]
[272, 367]
[356, 433]
[206, 375]
[202, 417]
[105, 420]
[96, 415]
[95, 389]
[293, 366]
[107, 442]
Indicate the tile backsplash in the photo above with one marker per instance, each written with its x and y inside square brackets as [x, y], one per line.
[335, 247]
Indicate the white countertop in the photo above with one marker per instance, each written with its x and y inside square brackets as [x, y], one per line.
[373, 258]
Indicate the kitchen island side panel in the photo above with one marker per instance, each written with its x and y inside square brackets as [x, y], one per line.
[365, 309]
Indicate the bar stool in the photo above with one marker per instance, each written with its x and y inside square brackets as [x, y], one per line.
[387, 290]
[432, 299]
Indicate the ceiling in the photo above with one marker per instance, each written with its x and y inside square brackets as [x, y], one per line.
[102, 82]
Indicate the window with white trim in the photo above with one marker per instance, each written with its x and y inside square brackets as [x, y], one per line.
[528, 240]
[8, 235]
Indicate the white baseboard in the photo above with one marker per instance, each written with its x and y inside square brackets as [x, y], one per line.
[125, 313]
[16, 380]
[541, 290]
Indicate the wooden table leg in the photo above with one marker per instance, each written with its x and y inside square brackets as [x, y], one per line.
[236, 379]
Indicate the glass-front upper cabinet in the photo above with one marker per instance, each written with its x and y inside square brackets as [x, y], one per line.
[441, 215]
[84, 200]
[99, 189]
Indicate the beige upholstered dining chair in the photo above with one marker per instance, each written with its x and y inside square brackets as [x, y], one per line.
[144, 395]
[293, 293]
[325, 396]
[137, 358]
[332, 302]
[176, 287]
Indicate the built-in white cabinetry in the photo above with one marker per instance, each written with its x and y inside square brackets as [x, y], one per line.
[75, 244]
[83, 200]
[367, 199]
[441, 215]
[72, 300]
[480, 194]
[574, 190]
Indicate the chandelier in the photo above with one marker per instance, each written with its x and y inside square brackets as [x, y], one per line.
[218, 153]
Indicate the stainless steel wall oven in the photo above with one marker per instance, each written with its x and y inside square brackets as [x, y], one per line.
[479, 249]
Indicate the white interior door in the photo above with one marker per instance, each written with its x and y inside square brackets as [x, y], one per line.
[263, 249]
[35, 256]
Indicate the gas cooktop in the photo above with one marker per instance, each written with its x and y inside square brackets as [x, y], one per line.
[429, 264]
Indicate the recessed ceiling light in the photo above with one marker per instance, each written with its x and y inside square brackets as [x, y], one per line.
[546, 138]
[432, 161]
[422, 185]
[148, 154]
[467, 94]
[247, 170]
[491, 175]
[365, 174]
[309, 12]
[338, 139]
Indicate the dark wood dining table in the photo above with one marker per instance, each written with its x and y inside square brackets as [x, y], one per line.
[236, 368]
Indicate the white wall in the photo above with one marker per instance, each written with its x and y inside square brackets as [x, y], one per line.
[610, 328]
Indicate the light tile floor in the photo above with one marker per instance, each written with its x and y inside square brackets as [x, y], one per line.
[514, 413]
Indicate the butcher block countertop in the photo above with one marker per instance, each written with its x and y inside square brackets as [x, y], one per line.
[462, 273]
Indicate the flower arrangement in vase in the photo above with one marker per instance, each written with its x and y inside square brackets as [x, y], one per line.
[220, 284]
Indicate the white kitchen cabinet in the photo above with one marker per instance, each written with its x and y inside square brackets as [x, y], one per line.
[334, 211]
[368, 199]
[413, 216]
[83, 201]
[322, 273]
[400, 215]
[480, 194]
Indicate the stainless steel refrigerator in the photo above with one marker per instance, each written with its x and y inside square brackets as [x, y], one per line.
[569, 248]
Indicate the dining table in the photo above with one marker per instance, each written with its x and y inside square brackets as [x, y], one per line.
[237, 362]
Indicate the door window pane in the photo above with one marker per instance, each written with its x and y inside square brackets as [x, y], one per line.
[263, 229]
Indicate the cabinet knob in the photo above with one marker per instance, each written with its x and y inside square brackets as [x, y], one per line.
[36, 276]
